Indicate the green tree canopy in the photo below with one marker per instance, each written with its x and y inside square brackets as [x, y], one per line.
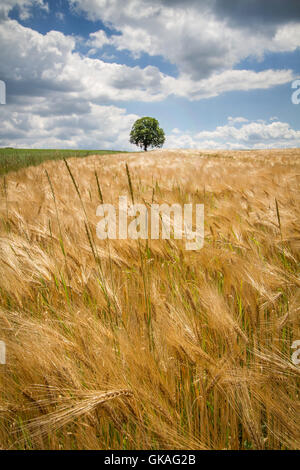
[146, 133]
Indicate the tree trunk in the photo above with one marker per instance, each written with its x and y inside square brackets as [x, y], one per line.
[145, 148]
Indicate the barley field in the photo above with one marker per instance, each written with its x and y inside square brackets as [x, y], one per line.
[126, 344]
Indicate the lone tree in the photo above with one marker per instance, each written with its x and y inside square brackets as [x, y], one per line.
[146, 133]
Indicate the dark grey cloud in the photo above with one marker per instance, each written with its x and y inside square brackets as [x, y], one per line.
[56, 106]
[244, 11]
[37, 87]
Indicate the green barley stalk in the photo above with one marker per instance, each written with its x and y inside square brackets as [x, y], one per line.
[61, 242]
[143, 270]
[91, 239]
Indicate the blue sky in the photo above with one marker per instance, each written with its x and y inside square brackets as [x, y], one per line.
[79, 72]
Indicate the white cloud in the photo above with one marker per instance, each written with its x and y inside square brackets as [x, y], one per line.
[234, 120]
[251, 135]
[98, 39]
[56, 98]
[287, 38]
[229, 80]
[44, 64]
[24, 7]
[190, 35]
[98, 127]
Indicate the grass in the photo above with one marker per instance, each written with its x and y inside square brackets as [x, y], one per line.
[14, 159]
[141, 344]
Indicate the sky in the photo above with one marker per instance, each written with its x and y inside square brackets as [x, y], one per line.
[215, 73]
